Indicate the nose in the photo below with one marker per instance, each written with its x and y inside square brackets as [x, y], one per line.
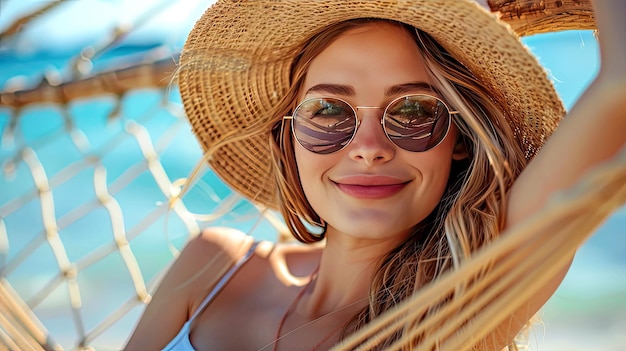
[370, 143]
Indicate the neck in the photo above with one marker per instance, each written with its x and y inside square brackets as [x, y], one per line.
[344, 275]
[338, 290]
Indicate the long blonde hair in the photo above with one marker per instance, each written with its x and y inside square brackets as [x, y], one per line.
[472, 209]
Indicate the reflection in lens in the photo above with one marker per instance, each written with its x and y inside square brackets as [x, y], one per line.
[324, 125]
[416, 122]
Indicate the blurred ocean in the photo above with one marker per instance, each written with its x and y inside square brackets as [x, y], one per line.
[588, 312]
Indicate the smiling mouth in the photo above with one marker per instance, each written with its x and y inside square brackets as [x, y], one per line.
[373, 191]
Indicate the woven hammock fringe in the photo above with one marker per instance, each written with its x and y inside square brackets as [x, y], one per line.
[19, 327]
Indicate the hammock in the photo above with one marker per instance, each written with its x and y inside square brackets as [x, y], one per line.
[121, 167]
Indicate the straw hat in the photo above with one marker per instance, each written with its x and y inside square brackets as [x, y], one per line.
[225, 86]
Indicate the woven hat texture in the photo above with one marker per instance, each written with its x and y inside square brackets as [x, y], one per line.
[235, 67]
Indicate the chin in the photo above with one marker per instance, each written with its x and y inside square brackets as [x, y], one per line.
[368, 230]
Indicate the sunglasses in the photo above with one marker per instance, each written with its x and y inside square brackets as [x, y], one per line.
[415, 122]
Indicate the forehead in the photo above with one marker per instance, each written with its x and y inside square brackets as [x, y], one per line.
[369, 57]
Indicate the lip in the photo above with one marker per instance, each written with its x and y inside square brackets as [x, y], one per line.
[370, 187]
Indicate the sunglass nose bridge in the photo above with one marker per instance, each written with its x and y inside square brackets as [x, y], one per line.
[368, 108]
[357, 108]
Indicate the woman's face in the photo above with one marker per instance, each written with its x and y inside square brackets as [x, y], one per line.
[372, 188]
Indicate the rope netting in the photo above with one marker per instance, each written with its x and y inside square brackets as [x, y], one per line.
[90, 163]
[92, 151]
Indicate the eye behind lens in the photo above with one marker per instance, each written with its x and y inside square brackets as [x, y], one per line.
[416, 122]
[324, 125]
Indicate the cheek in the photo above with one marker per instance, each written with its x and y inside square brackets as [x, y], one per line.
[435, 166]
[311, 168]
[440, 177]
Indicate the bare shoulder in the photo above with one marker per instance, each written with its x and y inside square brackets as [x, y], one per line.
[203, 259]
[200, 264]
[220, 244]
[215, 241]
[206, 253]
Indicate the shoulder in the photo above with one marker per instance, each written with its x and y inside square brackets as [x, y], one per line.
[228, 242]
[204, 258]
[200, 264]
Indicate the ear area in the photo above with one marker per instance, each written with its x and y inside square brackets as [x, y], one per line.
[460, 151]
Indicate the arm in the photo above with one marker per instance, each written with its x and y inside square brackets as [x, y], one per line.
[194, 273]
[591, 133]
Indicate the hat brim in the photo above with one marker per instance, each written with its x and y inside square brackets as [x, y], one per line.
[224, 90]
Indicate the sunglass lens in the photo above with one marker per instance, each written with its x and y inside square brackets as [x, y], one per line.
[417, 122]
[324, 125]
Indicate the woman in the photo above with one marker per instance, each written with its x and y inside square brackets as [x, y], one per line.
[287, 99]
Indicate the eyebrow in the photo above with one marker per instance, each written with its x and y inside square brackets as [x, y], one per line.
[336, 89]
[348, 90]
[409, 88]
